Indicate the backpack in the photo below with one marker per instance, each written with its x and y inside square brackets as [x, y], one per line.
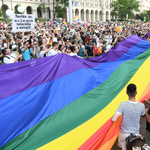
[100, 50]
[134, 141]
[95, 51]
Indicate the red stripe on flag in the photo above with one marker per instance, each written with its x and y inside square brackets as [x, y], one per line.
[102, 135]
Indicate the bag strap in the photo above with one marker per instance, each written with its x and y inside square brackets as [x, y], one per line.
[6, 57]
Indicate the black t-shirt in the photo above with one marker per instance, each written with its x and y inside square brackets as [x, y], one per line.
[1, 58]
[83, 39]
[64, 39]
[10, 46]
[103, 49]
[81, 33]
[148, 124]
[89, 49]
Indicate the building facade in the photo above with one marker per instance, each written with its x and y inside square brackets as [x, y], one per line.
[91, 10]
[144, 5]
[31, 7]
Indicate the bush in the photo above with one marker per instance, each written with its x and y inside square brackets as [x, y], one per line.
[8, 20]
[2, 19]
[40, 20]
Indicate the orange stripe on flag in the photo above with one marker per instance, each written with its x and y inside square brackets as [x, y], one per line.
[146, 91]
[103, 135]
[109, 144]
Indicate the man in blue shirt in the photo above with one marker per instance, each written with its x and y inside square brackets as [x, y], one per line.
[26, 51]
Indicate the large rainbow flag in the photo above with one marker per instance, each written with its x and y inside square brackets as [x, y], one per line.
[66, 103]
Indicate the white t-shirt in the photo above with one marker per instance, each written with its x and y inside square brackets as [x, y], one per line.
[55, 39]
[99, 44]
[51, 52]
[8, 59]
[42, 53]
[73, 54]
[108, 47]
[14, 54]
[131, 112]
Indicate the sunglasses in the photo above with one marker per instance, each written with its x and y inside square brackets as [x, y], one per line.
[35, 43]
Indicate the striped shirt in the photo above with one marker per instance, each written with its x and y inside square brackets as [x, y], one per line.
[131, 112]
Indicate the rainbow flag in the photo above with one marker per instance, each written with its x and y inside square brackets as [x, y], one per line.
[51, 42]
[1, 41]
[64, 102]
[76, 19]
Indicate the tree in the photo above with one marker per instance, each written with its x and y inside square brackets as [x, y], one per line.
[60, 8]
[142, 16]
[137, 16]
[16, 9]
[145, 15]
[148, 15]
[1, 12]
[42, 7]
[123, 8]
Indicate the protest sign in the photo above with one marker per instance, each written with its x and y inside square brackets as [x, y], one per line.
[22, 22]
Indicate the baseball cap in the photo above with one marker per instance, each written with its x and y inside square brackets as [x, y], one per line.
[14, 47]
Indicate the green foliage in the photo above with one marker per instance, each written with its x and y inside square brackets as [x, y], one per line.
[145, 15]
[8, 20]
[1, 12]
[59, 11]
[40, 20]
[42, 7]
[2, 19]
[122, 8]
[16, 9]
[60, 8]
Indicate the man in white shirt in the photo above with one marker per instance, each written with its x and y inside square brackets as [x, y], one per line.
[55, 38]
[14, 52]
[131, 111]
[8, 57]
[54, 50]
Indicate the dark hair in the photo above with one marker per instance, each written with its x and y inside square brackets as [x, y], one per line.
[4, 51]
[40, 42]
[131, 90]
[72, 48]
[10, 40]
[73, 42]
[60, 46]
[104, 42]
[55, 43]
[24, 42]
[59, 38]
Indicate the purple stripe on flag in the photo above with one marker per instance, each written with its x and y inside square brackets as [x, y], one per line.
[21, 76]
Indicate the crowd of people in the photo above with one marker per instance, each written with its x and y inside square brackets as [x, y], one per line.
[84, 40]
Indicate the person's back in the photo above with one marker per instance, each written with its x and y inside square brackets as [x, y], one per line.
[131, 112]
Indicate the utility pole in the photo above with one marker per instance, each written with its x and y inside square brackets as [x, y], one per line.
[70, 11]
[53, 11]
[11, 5]
[49, 10]
[3, 10]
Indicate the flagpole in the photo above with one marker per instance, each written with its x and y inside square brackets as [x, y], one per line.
[70, 11]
